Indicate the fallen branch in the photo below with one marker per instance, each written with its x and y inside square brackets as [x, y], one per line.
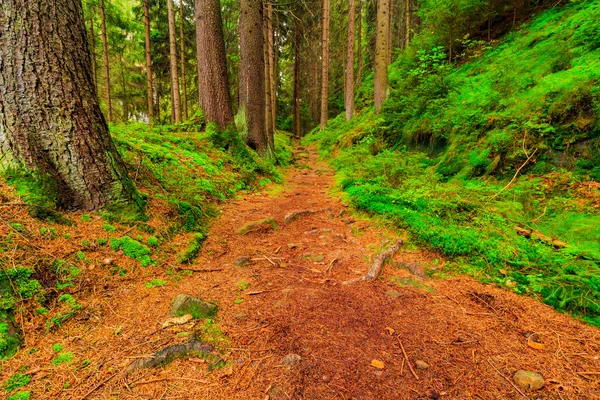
[380, 260]
[532, 233]
[508, 380]
[98, 386]
[407, 360]
[177, 267]
[516, 174]
[170, 379]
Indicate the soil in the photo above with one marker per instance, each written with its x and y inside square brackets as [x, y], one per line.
[473, 337]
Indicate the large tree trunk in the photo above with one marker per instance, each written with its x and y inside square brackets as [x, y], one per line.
[252, 76]
[182, 49]
[271, 44]
[268, 114]
[106, 66]
[296, 106]
[350, 62]
[50, 119]
[150, 89]
[213, 82]
[407, 19]
[176, 104]
[92, 46]
[359, 49]
[325, 65]
[381, 54]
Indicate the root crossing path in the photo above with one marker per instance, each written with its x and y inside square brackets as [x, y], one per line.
[289, 328]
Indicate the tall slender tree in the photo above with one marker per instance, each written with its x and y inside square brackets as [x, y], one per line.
[350, 61]
[381, 54]
[359, 45]
[149, 87]
[175, 99]
[50, 119]
[213, 82]
[106, 62]
[184, 101]
[325, 65]
[252, 77]
[271, 54]
[297, 127]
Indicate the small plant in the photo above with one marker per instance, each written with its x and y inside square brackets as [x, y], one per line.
[42, 310]
[155, 283]
[20, 396]
[86, 243]
[86, 218]
[17, 227]
[153, 241]
[80, 255]
[63, 358]
[243, 284]
[132, 248]
[238, 301]
[57, 347]
[16, 381]
[109, 228]
[102, 241]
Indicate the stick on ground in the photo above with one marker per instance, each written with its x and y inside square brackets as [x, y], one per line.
[380, 260]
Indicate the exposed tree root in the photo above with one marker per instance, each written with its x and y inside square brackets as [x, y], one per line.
[532, 233]
[380, 260]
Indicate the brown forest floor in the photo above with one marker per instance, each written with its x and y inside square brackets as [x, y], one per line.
[473, 336]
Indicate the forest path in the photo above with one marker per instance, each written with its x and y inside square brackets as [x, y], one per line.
[296, 304]
[290, 301]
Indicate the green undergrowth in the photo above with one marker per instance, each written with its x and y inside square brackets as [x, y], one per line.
[473, 226]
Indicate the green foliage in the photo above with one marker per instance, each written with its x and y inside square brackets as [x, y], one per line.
[16, 381]
[132, 248]
[67, 308]
[109, 228]
[193, 249]
[242, 284]
[20, 396]
[153, 241]
[63, 358]
[155, 283]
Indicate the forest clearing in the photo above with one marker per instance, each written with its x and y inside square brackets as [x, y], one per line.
[243, 199]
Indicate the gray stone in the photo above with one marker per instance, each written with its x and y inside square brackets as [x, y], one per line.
[394, 294]
[291, 359]
[528, 380]
[420, 364]
[186, 304]
[240, 315]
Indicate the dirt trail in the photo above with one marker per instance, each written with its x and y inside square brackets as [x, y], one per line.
[474, 337]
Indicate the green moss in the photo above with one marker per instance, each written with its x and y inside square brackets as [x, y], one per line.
[63, 358]
[17, 227]
[20, 396]
[155, 283]
[132, 248]
[242, 284]
[109, 228]
[153, 241]
[16, 381]
[193, 249]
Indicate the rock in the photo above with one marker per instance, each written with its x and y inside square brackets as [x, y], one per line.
[261, 225]
[293, 245]
[393, 294]
[294, 215]
[291, 359]
[240, 315]
[326, 378]
[420, 364]
[107, 261]
[528, 380]
[242, 261]
[186, 304]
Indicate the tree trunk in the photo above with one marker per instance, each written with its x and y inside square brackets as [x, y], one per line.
[271, 44]
[450, 46]
[325, 65]
[296, 106]
[268, 102]
[182, 48]
[390, 31]
[92, 45]
[106, 66]
[252, 76]
[359, 48]
[213, 82]
[50, 118]
[381, 57]
[150, 89]
[407, 19]
[350, 62]
[176, 104]
[125, 98]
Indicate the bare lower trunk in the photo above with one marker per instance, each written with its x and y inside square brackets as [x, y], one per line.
[271, 44]
[184, 101]
[381, 56]
[252, 76]
[359, 48]
[213, 81]
[268, 102]
[149, 91]
[106, 66]
[296, 105]
[407, 11]
[50, 119]
[92, 46]
[175, 99]
[325, 65]
[350, 62]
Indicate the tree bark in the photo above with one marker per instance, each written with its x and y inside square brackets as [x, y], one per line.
[407, 21]
[125, 97]
[268, 102]
[252, 77]
[213, 81]
[271, 44]
[350, 61]
[175, 100]
[150, 90]
[390, 30]
[325, 65]
[106, 66]
[381, 56]
[50, 118]
[92, 45]
[296, 106]
[184, 106]
[359, 49]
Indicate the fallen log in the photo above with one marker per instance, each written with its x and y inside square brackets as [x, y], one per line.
[532, 233]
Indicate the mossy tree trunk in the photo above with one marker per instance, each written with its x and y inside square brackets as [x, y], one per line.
[50, 119]
[381, 54]
[252, 77]
[106, 62]
[149, 86]
[175, 99]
